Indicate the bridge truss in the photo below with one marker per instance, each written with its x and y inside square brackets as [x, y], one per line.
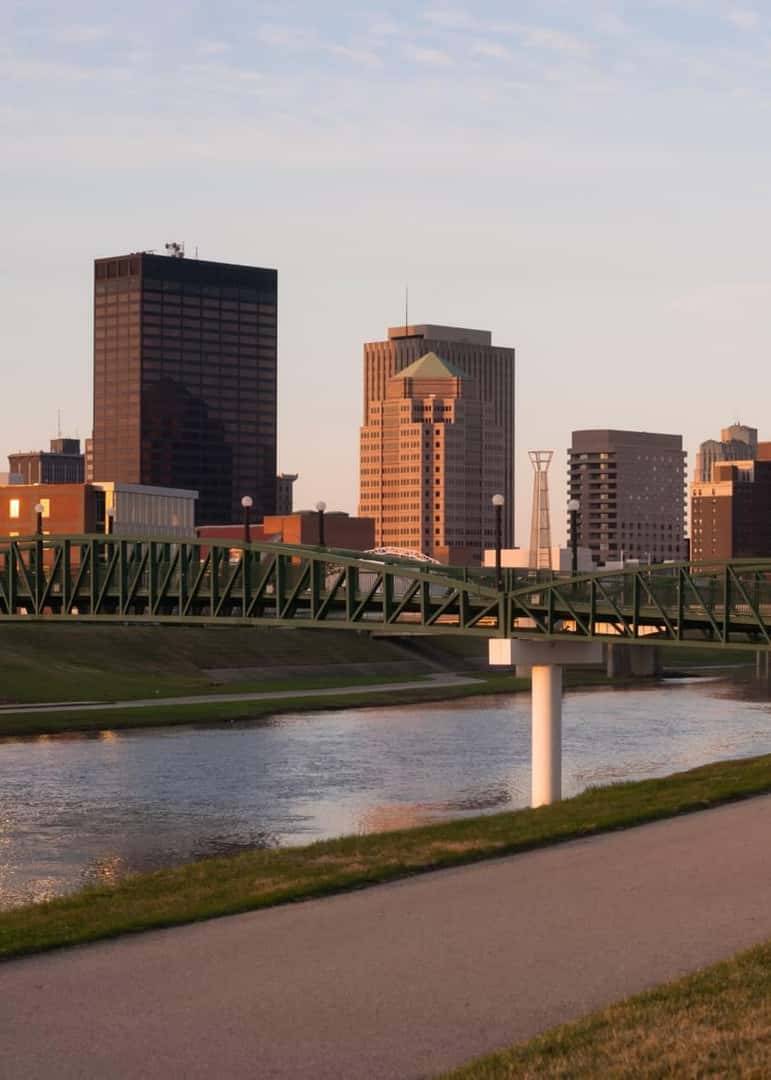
[136, 579]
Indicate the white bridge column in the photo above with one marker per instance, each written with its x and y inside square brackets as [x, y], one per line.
[546, 660]
[546, 761]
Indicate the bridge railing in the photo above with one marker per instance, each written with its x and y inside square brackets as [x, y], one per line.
[140, 578]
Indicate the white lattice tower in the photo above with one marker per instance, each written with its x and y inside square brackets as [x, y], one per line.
[540, 528]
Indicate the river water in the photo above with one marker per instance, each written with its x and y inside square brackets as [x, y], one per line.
[91, 808]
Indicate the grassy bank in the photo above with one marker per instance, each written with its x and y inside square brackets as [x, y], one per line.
[82, 662]
[714, 1023]
[14, 724]
[263, 878]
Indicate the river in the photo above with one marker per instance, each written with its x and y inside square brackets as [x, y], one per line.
[83, 809]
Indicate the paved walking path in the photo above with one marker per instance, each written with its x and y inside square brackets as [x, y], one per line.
[431, 681]
[403, 980]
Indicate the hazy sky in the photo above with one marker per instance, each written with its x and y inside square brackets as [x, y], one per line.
[589, 180]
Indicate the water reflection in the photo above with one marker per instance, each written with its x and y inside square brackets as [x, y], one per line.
[88, 809]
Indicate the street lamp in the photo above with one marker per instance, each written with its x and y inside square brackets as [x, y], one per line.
[498, 501]
[573, 507]
[39, 508]
[320, 508]
[247, 502]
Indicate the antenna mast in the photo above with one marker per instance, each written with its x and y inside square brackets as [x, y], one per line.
[539, 557]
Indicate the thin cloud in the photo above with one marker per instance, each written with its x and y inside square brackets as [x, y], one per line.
[544, 37]
[743, 18]
[449, 18]
[434, 57]
[491, 49]
[357, 56]
[82, 35]
[213, 48]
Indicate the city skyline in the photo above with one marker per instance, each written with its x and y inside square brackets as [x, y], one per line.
[589, 185]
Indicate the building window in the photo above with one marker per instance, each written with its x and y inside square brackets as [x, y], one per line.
[14, 511]
[46, 504]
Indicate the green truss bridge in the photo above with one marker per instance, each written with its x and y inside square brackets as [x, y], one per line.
[137, 579]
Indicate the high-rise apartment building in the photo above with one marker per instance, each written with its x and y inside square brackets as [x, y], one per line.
[62, 464]
[737, 443]
[432, 457]
[472, 353]
[731, 511]
[631, 489]
[185, 379]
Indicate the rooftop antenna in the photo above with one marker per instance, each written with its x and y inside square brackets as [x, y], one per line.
[406, 310]
[58, 423]
[196, 251]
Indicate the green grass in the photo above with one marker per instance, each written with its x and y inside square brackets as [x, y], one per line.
[109, 663]
[715, 1023]
[263, 878]
[15, 724]
[686, 656]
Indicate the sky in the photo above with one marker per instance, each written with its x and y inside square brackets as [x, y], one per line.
[588, 180]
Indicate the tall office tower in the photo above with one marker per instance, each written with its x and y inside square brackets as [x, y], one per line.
[185, 379]
[432, 458]
[540, 524]
[737, 443]
[631, 489]
[473, 354]
[62, 464]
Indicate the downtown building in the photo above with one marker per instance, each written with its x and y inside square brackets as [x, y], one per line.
[731, 510]
[630, 486]
[737, 443]
[185, 360]
[62, 464]
[431, 459]
[472, 355]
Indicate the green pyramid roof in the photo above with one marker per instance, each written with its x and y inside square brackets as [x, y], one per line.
[430, 366]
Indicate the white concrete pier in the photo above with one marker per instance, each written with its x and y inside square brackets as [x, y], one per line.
[546, 660]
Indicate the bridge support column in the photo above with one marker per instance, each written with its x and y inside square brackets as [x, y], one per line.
[546, 753]
[546, 659]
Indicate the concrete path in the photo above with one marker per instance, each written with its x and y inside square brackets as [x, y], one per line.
[403, 980]
[431, 681]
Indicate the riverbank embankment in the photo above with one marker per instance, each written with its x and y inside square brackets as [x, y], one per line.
[189, 675]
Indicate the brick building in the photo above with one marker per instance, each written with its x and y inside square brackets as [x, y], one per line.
[731, 513]
[301, 527]
[121, 509]
[431, 459]
[473, 355]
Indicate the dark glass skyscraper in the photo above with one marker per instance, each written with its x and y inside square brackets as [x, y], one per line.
[185, 379]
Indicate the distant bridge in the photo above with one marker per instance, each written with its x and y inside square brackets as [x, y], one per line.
[139, 579]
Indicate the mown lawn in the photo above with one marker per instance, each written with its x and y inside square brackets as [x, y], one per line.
[262, 878]
[715, 1023]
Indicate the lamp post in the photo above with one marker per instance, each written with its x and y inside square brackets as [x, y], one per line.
[320, 508]
[39, 508]
[573, 507]
[498, 501]
[247, 502]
